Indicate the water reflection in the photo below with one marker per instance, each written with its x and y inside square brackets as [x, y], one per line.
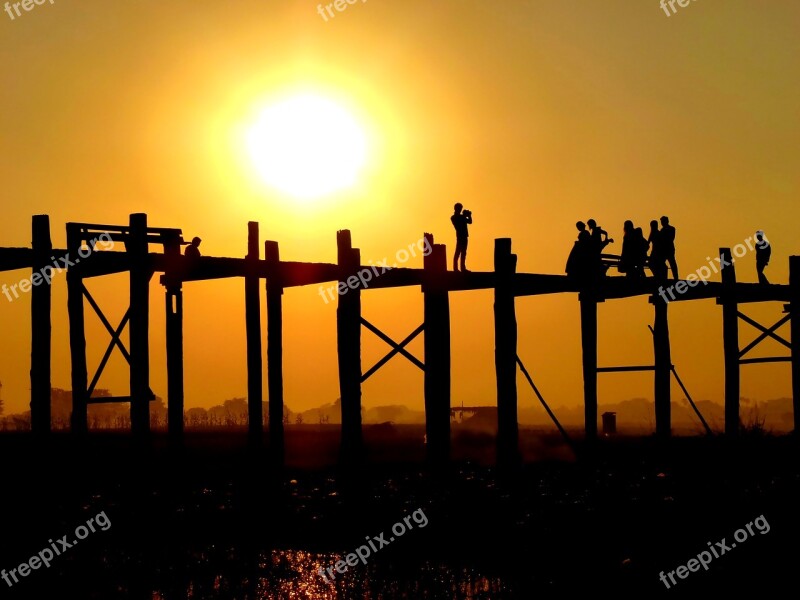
[294, 575]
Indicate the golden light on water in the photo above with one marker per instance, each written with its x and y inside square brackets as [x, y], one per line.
[307, 146]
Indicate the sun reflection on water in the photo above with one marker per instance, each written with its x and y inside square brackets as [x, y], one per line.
[294, 575]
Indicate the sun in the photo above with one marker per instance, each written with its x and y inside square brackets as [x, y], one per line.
[307, 146]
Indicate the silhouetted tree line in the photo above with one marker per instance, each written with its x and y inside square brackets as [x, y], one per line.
[230, 413]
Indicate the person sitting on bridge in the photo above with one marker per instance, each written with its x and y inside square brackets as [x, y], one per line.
[192, 251]
[763, 254]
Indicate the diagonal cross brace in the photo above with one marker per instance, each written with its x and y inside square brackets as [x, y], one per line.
[115, 341]
[765, 333]
[114, 336]
[396, 348]
[563, 431]
[686, 392]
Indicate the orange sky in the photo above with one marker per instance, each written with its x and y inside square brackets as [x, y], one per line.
[533, 114]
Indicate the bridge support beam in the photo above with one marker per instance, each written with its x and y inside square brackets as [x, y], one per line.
[794, 307]
[137, 249]
[41, 330]
[663, 368]
[588, 304]
[437, 354]
[730, 341]
[348, 329]
[274, 290]
[77, 335]
[255, 376]
[505, 353]
[174, 324]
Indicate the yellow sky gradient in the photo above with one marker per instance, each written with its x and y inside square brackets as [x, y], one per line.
[533, 114]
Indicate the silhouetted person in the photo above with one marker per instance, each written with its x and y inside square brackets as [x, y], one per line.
[599, 235]
[579, 262]
[668, 245]
[763, 254]
[625, 258]
[599, 240]
[641, 255]
[460, 221]
[631, 260]
[657, 262]
[192, 251]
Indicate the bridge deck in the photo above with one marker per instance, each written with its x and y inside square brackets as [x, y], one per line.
[294, 274]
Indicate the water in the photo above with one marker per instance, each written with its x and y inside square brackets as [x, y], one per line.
[294, 575]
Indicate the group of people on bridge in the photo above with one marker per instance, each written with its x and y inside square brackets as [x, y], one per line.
[587, 262]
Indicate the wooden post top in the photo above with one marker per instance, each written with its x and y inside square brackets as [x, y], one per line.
[253, 248]
[728, 272]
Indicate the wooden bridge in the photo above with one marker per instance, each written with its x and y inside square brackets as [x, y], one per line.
[436, 284]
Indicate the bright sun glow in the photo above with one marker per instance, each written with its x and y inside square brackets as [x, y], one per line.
[307, 146]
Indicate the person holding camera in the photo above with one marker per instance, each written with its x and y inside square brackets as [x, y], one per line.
[461, 219]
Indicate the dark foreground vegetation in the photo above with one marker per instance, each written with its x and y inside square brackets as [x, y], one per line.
[216, 521]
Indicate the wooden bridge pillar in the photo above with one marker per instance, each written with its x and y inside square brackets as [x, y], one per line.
[663, 368]
[77, 334]
[589, 346]
[255, 377]
[41, 333]
[437, 354]
[348, 322]
[505, 353]
[174, 323]
[730, 341]
[275, 352]
[794, 307]
[137, 248]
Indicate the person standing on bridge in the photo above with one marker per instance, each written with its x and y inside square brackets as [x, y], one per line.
[656, 260]
[667, 236]
[599, 240]
[763, 254]
[634, 251]
[579, 261]
[461, 219]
